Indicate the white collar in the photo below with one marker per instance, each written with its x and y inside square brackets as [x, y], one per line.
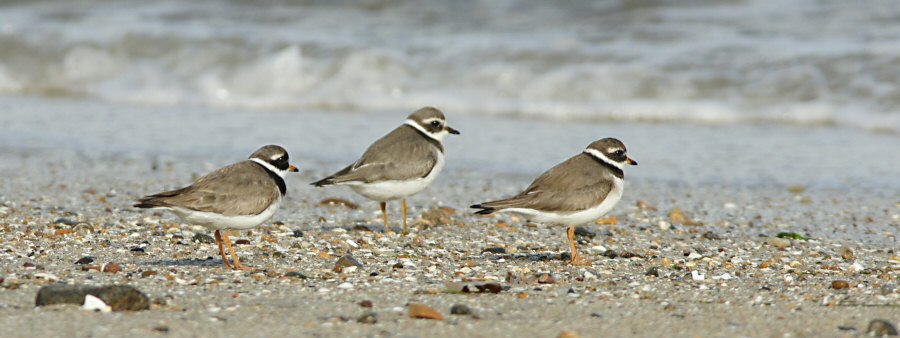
[600, 156]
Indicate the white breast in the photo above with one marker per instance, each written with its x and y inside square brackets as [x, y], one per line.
[220, 222]
[390, 190]
[574, 218]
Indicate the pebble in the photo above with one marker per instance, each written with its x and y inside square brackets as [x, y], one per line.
[347, 261]
[345, 286]
[297, 233]
[663, 225]
[881, 327]
[496, 250]
[368, 317]
[366, 304]
[778, 243]
[584, 232]
[85, 260]
[92, 303]
[203, 238]
[568, 334]
[421, 311]
[242, 241]
[295, 274]
[652, 271]
[545, 278]
[840, 284]
[118, 297]
[111, 268]
[847, 254]
[460, 309]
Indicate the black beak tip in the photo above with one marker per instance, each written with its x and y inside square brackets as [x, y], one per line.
[453, 131]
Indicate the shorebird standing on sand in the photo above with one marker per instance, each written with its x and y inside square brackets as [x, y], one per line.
[400, 164]
[574, 192]
[240, 196]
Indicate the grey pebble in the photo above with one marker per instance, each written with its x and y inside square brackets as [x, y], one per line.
[460, 309]
[368, 317]
[348, 261]
[203, 238]
[119, 297]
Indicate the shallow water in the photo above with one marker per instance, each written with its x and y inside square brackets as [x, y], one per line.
[796, 62]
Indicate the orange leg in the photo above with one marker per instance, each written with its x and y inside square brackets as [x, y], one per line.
[237, 262]
[570, 232]
[222, 250]
[387, 228]
[405, 227]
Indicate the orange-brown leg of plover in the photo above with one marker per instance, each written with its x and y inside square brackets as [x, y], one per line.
[237, 262]
[570, 233]
[222, 250]
[405, 227]
[611, 220]
[387, 228]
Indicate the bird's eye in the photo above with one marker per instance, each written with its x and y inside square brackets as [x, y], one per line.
[435, 123]
[620, 152]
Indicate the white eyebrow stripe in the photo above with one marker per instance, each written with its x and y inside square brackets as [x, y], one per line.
[600, 156]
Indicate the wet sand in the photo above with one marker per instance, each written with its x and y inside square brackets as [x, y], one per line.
[67, 162]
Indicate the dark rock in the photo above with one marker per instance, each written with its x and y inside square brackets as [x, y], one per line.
[496, 250]
[119, 297]
[584, 232]
[347, 261]
[137, 250]
[368, 318]
[28, 265]
[610, 254]
[148, 273]
[881, 327]
[85, 260]
[482, 288]
[653, 271]
[242, 242]
[460, 309]
[295, 274]
[161, 329]
[397, 265]
[360, 227]
[203, 238]
[366, 304]
[711, 236]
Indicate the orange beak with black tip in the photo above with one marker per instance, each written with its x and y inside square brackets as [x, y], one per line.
[293, 169]
[630, 161]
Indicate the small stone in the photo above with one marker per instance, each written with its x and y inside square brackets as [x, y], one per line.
[796, 189]
[545, 278]
[148, 273]
[663, 225]
[111, 268]
[881, 327]
[338, 202]
[368, 317]
[295, 274]
[460, 309]
[65, 221]
[242, 241]
[584, 232]
[778, 243]
[643, 205]
[847, 254]
[421, 311]
[297, 233]
[161, 329]
[347, 261]
[676, 216]
[366, 304]
[652, 271]
[568, 334]
[840, 284]
[85, 260]
[496, 250]
[483, 288]
[203, 238]
[92, 303]
[360, 227]
[28, 265]
[118, 297]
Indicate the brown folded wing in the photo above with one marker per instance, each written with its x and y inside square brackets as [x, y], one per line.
[402, 154]
[243, 188]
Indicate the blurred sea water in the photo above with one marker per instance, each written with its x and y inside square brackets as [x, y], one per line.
[809, 62]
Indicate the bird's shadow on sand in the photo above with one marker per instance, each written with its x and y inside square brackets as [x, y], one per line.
[209, 261]
[532, 257]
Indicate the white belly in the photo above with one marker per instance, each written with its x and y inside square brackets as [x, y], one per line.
[221, 222]
[573, 218]
[390, 190]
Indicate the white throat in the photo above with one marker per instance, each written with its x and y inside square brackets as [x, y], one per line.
[438, 136]
[279, 172]
[600, 156]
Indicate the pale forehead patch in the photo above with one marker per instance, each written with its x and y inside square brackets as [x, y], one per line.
[427, 121]
[612, 150]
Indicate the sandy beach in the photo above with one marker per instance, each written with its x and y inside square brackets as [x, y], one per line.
[70, 170]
